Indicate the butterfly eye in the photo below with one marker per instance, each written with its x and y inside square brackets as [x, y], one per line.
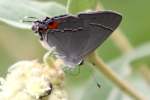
[53, 25]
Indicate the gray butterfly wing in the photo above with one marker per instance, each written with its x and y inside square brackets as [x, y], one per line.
[100, 26]
[107, 19]
[69, 39]
[78, 36]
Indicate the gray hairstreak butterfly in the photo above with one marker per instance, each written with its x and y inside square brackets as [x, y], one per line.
[74, 37]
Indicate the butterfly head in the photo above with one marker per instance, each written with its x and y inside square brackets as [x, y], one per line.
[42, 25]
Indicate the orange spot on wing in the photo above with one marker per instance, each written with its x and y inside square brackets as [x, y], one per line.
[53, 25]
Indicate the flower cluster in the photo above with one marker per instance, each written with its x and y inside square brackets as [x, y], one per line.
[30, 80]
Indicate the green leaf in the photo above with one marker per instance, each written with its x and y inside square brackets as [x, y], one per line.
[75, 6]
[13, 12]
[63, 2]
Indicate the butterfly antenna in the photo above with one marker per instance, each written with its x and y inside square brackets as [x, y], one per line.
[28, 19]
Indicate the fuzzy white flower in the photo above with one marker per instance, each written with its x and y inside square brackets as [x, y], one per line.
[30, 80]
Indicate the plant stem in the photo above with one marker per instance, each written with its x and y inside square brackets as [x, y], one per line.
[109, 73]
[50, 61]
[121, 41]
[145, 71]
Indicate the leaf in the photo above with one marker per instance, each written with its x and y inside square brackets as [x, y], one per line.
[12, 13]
[63, 2]
[75, 6]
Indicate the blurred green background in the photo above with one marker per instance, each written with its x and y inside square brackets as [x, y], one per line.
[18, 42]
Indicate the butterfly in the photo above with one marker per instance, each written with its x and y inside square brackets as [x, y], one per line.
[76, 36]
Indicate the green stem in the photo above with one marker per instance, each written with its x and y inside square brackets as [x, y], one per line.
[121, 41]
[145, 71]
[110, 74]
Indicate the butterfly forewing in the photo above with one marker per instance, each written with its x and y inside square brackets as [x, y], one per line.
[100, 25]
[107, 19]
